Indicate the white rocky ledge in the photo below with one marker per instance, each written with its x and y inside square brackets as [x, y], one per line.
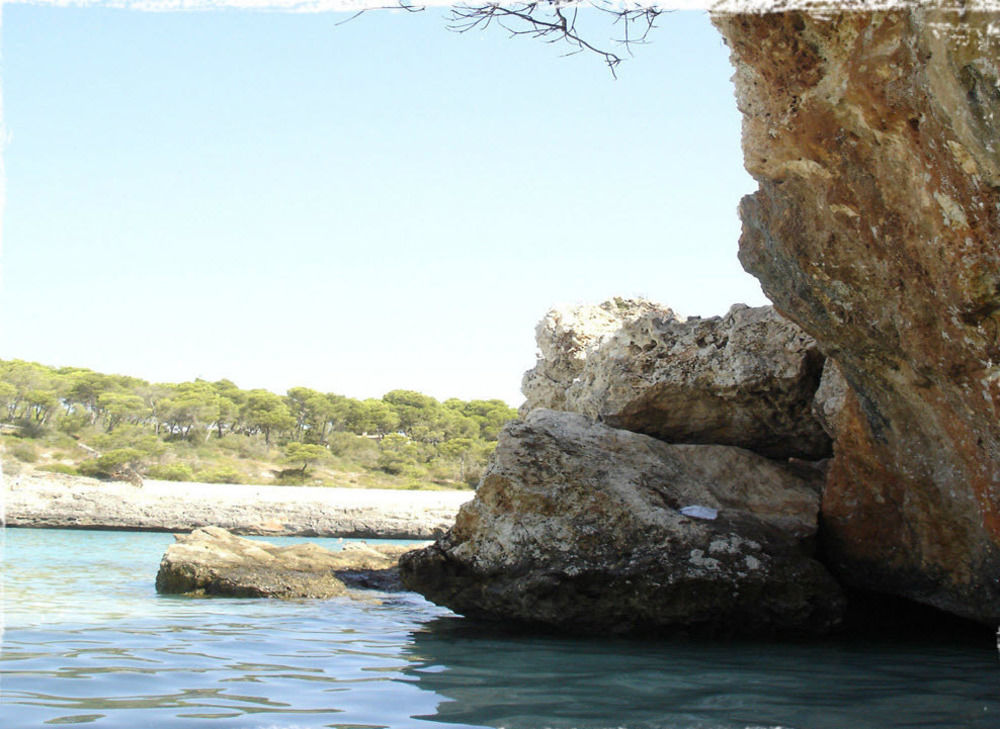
[74, 502]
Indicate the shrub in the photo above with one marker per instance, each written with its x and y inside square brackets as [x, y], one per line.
[30, 428]
[64, 455]
[61, 440]
[60, 468]
[220, 474]
[73, 423]
[114, 464]
[292, 477]
[353, 447]
[392, 463]
[130, 437]
[24, 451]
[171, 472]
[228, 442]
[248, 447]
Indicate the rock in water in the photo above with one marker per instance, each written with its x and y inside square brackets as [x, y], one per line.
[577, 526]
[746, 379]
[874, 140]
[211, 561]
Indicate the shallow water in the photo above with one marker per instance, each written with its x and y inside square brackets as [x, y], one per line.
[88, 641]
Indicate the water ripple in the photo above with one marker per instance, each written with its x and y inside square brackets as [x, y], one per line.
[125, 657]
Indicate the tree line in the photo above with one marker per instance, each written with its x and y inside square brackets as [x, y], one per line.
[120, 412]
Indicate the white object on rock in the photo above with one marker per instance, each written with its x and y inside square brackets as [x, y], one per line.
[700, 512]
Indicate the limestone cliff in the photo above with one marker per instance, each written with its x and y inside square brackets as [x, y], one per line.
[875, 139]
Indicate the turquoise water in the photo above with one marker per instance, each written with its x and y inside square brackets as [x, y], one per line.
[89, 642]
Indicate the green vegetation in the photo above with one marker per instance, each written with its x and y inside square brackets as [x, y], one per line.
[73, 420]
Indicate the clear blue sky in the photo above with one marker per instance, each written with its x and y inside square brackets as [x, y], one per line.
[382, 204]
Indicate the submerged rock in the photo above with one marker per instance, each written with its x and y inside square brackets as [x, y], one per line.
[578, 526]
[211, 561]
[873, 138]
[746, 379]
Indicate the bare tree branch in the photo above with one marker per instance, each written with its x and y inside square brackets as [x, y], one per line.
[400, 5]
[555, 21]
[348, 20]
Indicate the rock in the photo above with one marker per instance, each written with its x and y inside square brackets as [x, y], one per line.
[211, 561]
[372, 567]
[54, 500]
[566, 336]
[746, 379]
[873, 137]
[831, 398]
[577, 526]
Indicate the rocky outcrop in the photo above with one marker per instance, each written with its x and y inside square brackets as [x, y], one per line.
[874, 140]
[582, 527]
[58, 500]
[211, 561]
[746, 379]
[567, 336]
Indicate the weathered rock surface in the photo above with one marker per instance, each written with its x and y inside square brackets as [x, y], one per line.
[211, 561]
[746, 379]
[875, 139]
[567, 336]
[57, 500]
[578, 526]
[830, 400]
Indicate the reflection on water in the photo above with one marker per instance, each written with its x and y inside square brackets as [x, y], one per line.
[89, 642]
[516, 680]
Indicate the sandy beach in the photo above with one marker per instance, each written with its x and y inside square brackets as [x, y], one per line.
[56, 500]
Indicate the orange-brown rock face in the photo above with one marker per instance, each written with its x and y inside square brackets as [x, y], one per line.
[875, 138]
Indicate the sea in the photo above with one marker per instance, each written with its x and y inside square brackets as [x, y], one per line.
[87, 641]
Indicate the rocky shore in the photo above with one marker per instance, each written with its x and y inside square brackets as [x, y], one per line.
[212, 561]
[872, 136]
[743, 474]
[656, 482]
[56, 500]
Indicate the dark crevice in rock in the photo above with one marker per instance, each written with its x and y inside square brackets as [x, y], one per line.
[878, 616]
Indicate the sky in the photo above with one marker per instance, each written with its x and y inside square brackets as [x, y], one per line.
[294, 200]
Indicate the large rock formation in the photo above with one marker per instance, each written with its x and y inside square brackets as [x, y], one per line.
[746, 379]
[211, 561]
[582, 527]
[875, 139]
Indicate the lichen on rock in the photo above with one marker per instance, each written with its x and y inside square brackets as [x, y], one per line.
[577, 526]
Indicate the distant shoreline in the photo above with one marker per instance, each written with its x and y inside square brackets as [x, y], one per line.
[75, 502]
